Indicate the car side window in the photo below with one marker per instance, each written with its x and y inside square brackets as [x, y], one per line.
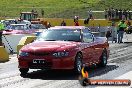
[87, 36]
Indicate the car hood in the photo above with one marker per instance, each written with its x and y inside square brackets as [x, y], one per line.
[49, 46]
[13, 32]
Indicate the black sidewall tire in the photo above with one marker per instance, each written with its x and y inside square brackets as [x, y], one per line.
[77, 59]
[24, 70]
[104, 58]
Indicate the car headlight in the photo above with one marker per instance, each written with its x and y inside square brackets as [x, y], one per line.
[23, 53]
[60, 54]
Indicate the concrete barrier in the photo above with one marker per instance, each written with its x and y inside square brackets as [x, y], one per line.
[11, 41]
[24, 41]
[4, 56]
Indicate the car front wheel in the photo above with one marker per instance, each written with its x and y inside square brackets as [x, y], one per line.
[103, 61]
[24, 70]
[78, 63]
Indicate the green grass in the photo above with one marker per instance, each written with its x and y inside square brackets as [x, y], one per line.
[60, 8]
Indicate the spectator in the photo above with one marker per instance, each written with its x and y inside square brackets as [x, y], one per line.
[129, 27]
[32, 9]
[114, 32]
[128, 23]
[36, 13]
[120, 14]
[116, 13]
[105, 13]
[48, 25]
[108, 33]
[129, 14]
[112, 13]
[76, 23]
[109, 13]
[124, 15]
[122, 26]
[90, 13]
[63, 23]
[86, 21]
[76, 18]
[42, 12]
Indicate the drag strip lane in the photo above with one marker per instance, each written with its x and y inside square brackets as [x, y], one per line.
[120, 54]
[40, 79]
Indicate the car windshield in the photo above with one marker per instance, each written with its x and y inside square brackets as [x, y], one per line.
[16, 27]
[8, 22]
[37, 26]
[60, 35]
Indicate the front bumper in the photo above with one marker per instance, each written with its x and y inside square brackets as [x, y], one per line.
[50, 63]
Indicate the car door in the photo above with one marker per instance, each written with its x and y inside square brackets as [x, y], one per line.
[96, 49]
[88, 47]
[97, 46]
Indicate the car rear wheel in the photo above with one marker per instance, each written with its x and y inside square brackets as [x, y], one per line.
[24, 70]
[78, 63]
[104, 58]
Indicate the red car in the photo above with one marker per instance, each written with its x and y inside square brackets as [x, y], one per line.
[64, 47]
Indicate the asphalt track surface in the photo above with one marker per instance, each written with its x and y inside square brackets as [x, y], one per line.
[119, 63]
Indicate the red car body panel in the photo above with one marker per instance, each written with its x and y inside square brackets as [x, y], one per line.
[44, 50]
[50, 47]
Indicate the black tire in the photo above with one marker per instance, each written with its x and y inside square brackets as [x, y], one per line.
[24, 70]
[103, 59]
[130, 31]
[78, 63]
[84, 81]
[127, 32]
